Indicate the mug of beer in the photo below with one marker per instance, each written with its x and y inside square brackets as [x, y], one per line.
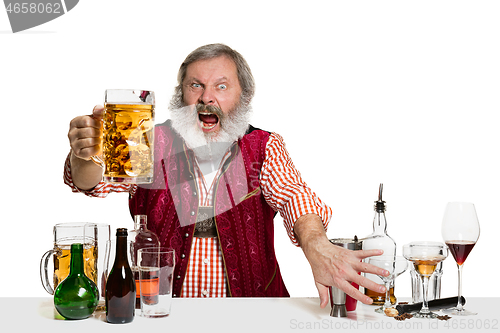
[66, 234]
[127, 137]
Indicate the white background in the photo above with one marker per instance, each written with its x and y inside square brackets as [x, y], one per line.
[404, 93]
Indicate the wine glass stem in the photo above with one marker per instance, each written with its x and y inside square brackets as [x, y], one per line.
[460, 306]
[387, 303]
[425, 284]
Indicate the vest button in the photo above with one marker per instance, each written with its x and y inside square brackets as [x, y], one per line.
[186, 235]
[183, 256]
[178, 277]
[194, 193]
[192, 213]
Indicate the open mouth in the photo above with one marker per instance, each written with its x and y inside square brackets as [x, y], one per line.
[208, 120]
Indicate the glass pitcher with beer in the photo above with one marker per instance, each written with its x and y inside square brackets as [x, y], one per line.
[128, 136]
[66, 234]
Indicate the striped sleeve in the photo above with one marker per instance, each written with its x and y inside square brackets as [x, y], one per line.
[284, 189]
[100, 191]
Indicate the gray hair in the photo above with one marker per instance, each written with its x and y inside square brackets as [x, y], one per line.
[211, 51]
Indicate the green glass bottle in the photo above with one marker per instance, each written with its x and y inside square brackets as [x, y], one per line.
[76, 297]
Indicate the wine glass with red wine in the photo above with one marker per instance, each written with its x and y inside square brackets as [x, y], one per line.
[460, 231]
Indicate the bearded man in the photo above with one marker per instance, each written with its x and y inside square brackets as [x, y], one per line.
[218, 184]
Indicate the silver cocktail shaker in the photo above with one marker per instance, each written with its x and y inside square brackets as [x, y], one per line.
[339, 301]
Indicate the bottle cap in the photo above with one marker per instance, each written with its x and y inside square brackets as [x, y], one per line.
[380, 204]
[121, 232]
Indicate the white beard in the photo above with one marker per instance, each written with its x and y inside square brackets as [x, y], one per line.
[209, 147]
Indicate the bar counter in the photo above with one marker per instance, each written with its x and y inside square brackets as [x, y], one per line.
[260, 315]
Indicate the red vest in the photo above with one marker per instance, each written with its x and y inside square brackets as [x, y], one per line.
[243, 218]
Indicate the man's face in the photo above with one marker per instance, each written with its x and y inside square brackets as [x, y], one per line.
[212, 83]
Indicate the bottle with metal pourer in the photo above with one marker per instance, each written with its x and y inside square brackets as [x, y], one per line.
[379, 239]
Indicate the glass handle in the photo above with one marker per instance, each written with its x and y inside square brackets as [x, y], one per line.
[44, 274]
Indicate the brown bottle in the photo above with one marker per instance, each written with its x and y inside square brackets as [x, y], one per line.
[120, 286]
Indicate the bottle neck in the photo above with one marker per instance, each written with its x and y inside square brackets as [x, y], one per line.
[76, 263]
[140, 226]
[140, 222]
[379, 223]
[121, 251]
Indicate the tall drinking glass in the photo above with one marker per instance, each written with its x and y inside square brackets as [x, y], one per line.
[460, 231]
[102, 237]
[156, 270]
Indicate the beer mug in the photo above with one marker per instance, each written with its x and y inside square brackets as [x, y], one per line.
[103, 236]
[127, 137]
[66, 234]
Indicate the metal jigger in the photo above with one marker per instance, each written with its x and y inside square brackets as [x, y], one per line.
[337, 300]
[337, 296]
